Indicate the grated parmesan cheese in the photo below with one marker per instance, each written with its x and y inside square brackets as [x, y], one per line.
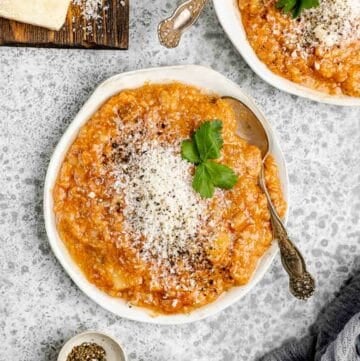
[91, 11]
[165, 221]
[333, 23]
[161, 208]
[164, 218]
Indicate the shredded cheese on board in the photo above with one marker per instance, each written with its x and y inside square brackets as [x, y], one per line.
[90, 9]
[93, 11]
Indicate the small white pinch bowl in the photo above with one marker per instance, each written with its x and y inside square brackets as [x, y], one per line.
[206, 79]
[229, 16]
[114, 351]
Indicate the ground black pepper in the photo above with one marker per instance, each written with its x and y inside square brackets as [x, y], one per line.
[87, 352]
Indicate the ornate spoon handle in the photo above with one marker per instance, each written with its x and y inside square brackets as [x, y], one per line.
[301, 283]
[171, 29]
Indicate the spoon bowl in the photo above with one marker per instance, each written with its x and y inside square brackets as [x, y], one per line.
[250, 127]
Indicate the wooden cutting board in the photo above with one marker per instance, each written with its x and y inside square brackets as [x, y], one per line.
[111, 31]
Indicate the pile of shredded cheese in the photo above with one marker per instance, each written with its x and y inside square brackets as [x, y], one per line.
[333, 23]
[90, 9]
[93, 11]
[161, 209]
[165, 220]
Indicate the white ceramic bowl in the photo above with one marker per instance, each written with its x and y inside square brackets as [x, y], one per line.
[229, 16]
[205, 78]
[114, 351]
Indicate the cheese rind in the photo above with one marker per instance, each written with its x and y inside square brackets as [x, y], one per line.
[49, 14]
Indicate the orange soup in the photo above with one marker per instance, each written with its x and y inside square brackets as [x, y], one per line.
[320, 49]
[127, 212]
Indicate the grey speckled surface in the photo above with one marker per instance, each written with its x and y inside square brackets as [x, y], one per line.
[41, 91]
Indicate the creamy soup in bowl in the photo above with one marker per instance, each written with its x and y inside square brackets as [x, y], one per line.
[319, 49]
[124, 209]
[297, 55]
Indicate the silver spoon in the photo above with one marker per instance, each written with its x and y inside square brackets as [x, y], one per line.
[171, 29]
[301, 283]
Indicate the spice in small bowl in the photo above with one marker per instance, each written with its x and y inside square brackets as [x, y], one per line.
[87, 351]
[92, 346]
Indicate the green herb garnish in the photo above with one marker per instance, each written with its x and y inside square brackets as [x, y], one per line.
[296, 6]
[206, 144]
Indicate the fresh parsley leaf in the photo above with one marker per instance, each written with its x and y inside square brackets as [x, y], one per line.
[206, 144]
[202, 182]
[286, 5]
[208, 139]
[221, 175]
[296, 6]
[189, 151]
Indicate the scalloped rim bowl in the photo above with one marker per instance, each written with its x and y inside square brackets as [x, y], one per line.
[229, 16]
[199, 76]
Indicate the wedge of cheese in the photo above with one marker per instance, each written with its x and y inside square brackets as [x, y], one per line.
[49, 14]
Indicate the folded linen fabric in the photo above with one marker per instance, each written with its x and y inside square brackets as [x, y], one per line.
[335, 336]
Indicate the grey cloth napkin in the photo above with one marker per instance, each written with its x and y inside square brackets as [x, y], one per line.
[335, 336]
